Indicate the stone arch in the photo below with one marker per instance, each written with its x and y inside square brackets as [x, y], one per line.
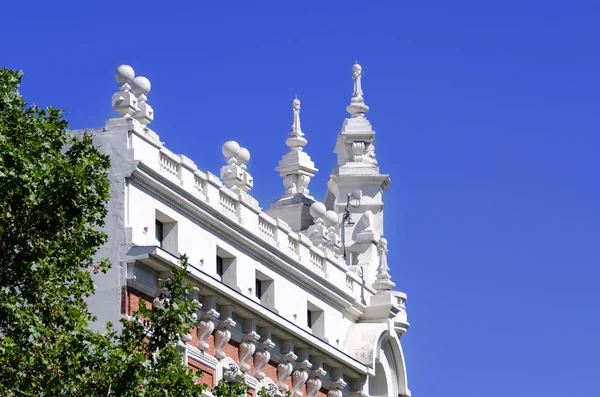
[378, 346]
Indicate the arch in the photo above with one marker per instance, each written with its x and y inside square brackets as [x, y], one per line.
[378, 346]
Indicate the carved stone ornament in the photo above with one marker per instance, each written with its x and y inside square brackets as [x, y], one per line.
[361, 152]
[314, 382]
[248, 345]
[205, 328]
[284, 370]
[313, 385]
[124, 101]
[299, 378]
[300, 375]
[223, 334]
[206, 324]
[232, 372]
[270, 388]
[285, 367]
[383, 282]
[235, 174]
[357, 107]
[262, 355]
[337, 383]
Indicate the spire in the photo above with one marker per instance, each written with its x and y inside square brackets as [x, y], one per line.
[357, 107]
[296, 167]
[296, 140]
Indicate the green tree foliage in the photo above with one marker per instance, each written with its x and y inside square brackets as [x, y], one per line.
[53, 192]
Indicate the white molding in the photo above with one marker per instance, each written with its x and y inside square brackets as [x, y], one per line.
[228, 229]
[202, 358]
[152, 253]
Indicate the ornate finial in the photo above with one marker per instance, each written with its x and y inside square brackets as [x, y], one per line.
[123, 101]
[357, 107]
[296, 140]
[235, 174]
[384, 282]
[124, 75]
[296, 167]
[141, 88]
[356, 76]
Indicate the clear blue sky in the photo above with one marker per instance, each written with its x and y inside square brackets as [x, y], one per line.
[487, 119]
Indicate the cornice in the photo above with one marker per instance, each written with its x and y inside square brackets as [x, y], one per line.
[230, 230]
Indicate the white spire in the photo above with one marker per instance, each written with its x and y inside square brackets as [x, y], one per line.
[296, 167]
[296, 140]
[357, 107]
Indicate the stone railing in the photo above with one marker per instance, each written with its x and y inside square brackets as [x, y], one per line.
[239, 207]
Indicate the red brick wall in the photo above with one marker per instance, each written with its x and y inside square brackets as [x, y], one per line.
[208, 374]
[130, 301]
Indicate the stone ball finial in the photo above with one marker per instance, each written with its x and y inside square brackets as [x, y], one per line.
[356, 68]
[296, 103]
[317, 210]
[124, 74]
[233, 149]
[331, 218]
[230, 149]
[141, 85]
[243, 155]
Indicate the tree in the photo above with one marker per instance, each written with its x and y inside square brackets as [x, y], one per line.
[53, 192]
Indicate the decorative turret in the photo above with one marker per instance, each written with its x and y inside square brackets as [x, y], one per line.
[296, 168]
[355, 187]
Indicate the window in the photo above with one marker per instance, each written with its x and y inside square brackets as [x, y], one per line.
[258, 288]
[219, 266]
[264, 290]
[315, 320]
[165, 233]
[226, 268]
[159, 232]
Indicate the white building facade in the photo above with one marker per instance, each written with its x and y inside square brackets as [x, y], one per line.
[297, 297]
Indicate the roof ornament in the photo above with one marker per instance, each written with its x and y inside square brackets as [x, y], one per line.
[141, 88]
[383, 284]
[296, 140]
[357, 107]
[318, 232]
[235, 174]
[123, 101]
[296, 167]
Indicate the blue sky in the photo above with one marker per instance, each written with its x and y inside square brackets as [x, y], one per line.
[487, 120]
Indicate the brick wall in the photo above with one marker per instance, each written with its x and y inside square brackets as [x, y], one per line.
[130, 301]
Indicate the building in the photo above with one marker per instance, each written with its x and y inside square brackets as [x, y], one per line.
[297, 297]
